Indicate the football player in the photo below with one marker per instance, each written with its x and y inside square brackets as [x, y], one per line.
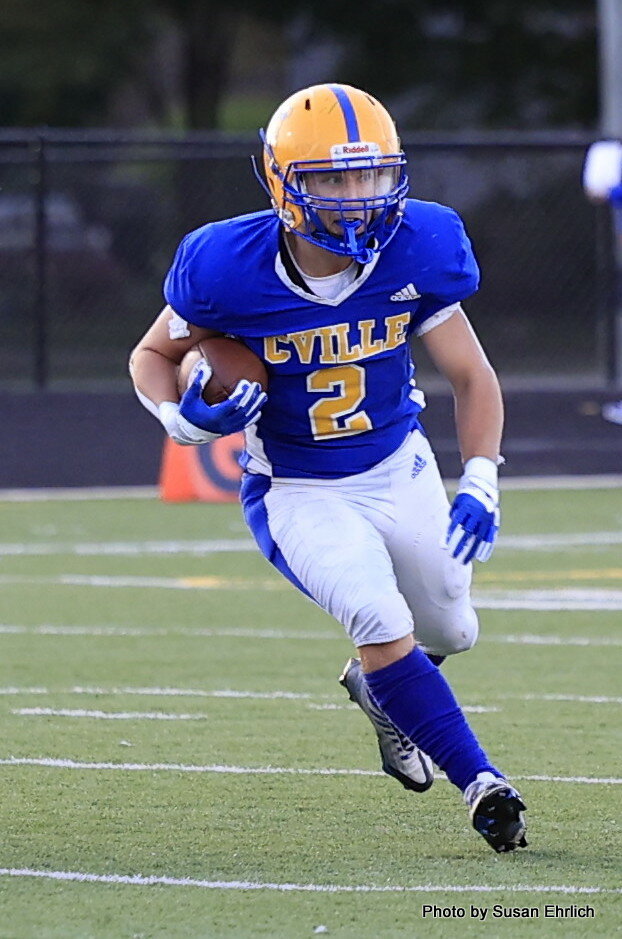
[341, 488]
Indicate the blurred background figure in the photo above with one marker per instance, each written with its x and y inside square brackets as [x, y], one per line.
[602, 181]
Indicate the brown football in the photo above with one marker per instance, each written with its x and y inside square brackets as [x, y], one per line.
[229, 359]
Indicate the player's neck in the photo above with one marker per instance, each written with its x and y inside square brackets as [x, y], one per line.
[313, 260]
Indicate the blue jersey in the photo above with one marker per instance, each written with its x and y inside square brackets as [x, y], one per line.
[341, 394]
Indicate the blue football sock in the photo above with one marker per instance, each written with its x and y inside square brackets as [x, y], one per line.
[415, 696]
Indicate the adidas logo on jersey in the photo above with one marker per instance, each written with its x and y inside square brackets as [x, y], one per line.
[419, 464]
[409, 292]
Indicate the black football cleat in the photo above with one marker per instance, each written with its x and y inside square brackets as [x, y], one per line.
[496, 811]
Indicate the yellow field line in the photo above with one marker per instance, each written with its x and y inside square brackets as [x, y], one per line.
[603, 573]
[214, 582]
[242, 583]
[483, 577]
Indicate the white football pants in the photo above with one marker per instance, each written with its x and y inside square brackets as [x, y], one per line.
[369, 549]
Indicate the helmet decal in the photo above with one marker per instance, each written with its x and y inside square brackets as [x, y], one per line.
[349, 114]
[364, 148]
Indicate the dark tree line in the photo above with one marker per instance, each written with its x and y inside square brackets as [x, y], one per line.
[439, 63]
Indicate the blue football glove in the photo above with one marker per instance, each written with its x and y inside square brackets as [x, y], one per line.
[194, 422]
[615, 195]
[241, 408]
[474, 515]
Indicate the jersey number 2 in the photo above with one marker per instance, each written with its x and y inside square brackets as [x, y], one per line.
[336, 416]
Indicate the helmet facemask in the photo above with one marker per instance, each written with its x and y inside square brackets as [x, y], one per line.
[358, 224]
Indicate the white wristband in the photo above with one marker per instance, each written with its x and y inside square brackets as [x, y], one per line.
[179, 429]
[483, 468]
[168, 413]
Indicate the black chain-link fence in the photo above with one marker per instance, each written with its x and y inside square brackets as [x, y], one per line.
[89, 224]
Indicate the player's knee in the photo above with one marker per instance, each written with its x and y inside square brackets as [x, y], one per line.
[383, 620]
[463, 638]
[453, 634]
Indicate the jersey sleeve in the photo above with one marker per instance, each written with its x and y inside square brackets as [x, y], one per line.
[455, 273]
[185, 287]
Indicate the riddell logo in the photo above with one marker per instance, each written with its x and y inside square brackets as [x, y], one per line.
[363, 148]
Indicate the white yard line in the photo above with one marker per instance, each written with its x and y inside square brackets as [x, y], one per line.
[528, 483]
[333, 701]
[528, 639]
[574, 598]
[126, 548]
[574, 698]
[208, 582]
[167, 692]
[550, 598]
[556, 599]
[550, 606]
[58, 763]
[164, 716]
[467, 708]
[140, 880]
[124, 632]
[557, 542]
[54, 763]
[595, 481]
[531, 542]
[78, 494]
[108, 715]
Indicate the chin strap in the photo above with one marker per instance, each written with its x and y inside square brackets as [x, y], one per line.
[361, 254]
[364, 256]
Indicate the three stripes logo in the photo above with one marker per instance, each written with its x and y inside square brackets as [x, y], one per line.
[419, 464]
[409, 292]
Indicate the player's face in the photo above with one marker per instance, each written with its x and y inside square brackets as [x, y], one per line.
[351, 186]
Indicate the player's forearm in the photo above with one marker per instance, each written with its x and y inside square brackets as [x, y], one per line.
[479, 414]
[154, 376]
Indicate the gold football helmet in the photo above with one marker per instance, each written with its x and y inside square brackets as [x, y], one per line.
[335, 170]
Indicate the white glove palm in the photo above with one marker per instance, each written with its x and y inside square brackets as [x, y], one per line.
[181, 430]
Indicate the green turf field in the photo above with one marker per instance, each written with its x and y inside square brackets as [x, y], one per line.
[178, 760]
